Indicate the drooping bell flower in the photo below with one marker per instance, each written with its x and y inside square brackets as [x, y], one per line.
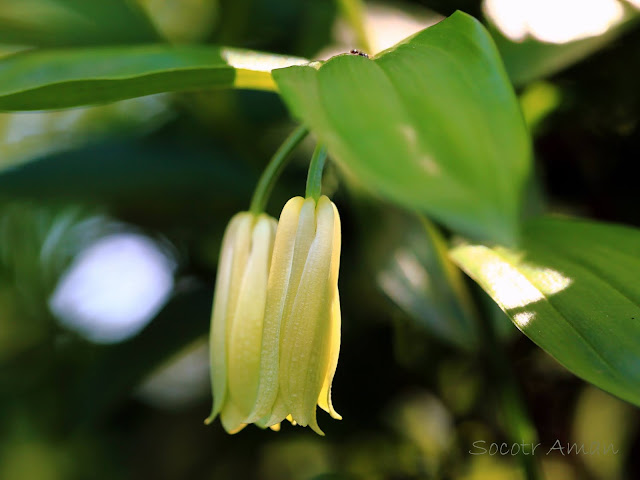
[301, 328]
[238, 317]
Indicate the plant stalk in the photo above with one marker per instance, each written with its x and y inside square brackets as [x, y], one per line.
[314, 177]
[273, 170]
[354, 13]
[518, 425]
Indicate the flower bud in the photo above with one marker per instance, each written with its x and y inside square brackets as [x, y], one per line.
[238, 317]
[301, 328]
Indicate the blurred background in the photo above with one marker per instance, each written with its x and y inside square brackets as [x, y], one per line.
[111, 219]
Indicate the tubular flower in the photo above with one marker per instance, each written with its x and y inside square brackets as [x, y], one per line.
[275, 329]
[301, 328]
[238, 317]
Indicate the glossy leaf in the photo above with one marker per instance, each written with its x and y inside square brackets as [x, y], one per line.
[51, 79]
[432, 124]
[573, 289]
[57, 23]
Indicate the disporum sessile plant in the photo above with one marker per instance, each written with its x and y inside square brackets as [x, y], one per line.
[275, 327]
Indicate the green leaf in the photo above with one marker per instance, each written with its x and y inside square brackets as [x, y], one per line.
[537, 101]
[432, 124]
[51, 79]
[418, 276]
[25, 136]
[58, 23]
[530, 59]
[573, 289]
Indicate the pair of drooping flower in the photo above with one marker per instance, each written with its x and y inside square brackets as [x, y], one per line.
[275, 327]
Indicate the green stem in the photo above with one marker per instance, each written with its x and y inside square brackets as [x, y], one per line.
[517, 424]
[314, 177]
[273, 170]
[353, 12]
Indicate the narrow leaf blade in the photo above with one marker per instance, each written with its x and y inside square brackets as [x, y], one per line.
[61, 23]
[52, 79]
[573, 289]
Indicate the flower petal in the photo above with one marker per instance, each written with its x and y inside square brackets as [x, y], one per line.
[304, 357]
[245, 340]
[304, 238]
[231, 418]
[277, 415]
[324, 401]
[233, 257]
[325, 394]
[277, 284]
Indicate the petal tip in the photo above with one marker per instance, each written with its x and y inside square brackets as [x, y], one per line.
[275, 428]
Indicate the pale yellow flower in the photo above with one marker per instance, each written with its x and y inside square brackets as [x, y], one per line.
[238, 315]
[301, 338]
[275, 339]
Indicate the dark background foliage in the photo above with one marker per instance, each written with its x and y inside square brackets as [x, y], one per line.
[412, 405]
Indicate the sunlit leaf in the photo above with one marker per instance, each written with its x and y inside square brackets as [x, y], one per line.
[537, 39]
[531, 60]
[51, 79]
[573, 289]
[432, 124]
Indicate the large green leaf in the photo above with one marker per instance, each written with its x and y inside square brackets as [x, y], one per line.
[74, 22]
[573, 289]
[432, 124]
[50, 79]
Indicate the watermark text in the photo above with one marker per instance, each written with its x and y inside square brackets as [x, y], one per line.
[481, 447]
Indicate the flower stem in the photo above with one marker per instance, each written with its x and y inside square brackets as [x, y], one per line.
[273, 170]
[518, 426]
[353, 12]
[314, 177]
